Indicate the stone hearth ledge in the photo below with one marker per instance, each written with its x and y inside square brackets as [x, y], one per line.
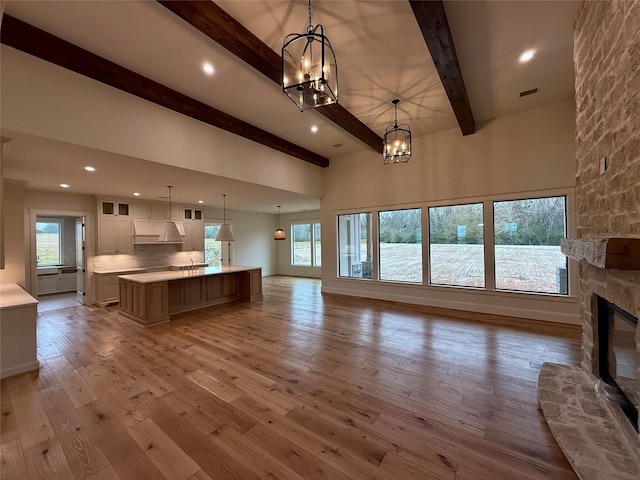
[583, 426]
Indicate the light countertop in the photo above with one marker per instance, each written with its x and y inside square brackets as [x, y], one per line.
[12, 296]
[180, 274]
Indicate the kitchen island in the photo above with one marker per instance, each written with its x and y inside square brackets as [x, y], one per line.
[150, 298]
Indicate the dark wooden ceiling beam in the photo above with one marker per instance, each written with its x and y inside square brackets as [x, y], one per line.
[434, 26]
[29, 39]
[214, 22]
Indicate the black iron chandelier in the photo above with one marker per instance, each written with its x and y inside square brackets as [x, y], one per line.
[309, 68]
[397, 140]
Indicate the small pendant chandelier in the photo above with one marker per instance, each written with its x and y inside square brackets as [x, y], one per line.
[224, 234]
[397, 140]
[279, 233]
[309, 68]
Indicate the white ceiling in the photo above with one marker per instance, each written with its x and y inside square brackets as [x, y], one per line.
[380, 52]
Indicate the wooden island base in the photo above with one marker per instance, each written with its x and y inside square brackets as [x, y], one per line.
[150, 298]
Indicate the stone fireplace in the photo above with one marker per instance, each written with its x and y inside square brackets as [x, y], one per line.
[598, 438]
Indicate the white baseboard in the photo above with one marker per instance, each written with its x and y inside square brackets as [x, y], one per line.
[27, 367]
[467, 305]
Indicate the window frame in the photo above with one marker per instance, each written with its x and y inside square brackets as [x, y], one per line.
[226, 248]
[373, 233]
[565, 196]
[60, 223]
[488, 244]
[379, 250]
[313, 260]
[483, 244]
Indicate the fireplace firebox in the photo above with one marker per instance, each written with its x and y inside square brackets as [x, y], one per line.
[617, 358]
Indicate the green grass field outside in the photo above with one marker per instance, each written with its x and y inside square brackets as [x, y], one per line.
[48, 248]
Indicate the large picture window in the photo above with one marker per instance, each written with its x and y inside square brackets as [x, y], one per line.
[400, 238]
[49, 242]
[354, 245]
[527, 245]
[306, 244]
[521, 252]
[301, 243]
[456, 245]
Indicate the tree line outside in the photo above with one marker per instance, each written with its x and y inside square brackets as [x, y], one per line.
[539, 221]
[527, 237]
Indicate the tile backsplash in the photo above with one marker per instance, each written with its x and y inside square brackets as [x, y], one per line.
[147, 256]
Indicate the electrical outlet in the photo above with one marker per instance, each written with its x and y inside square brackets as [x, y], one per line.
[604, 164]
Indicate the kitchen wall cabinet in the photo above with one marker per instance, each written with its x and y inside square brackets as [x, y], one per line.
[121, 225]
[151, 211]
[115, 235]
[109, 207]
[141, 210]
[193, 237]
[193, 221]
[192, 214]
[115, 227]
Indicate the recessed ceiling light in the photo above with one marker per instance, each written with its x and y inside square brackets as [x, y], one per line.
[64, 185]
[136, 194]
[89, 168]
[314, 129]
[207, 68]
[200, 201]
[526, 56]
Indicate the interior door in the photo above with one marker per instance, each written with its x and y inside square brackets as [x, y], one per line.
[81, 259]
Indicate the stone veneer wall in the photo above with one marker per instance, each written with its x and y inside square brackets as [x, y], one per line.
[607, 67]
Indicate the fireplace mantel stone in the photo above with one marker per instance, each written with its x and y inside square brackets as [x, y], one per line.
[607, 253]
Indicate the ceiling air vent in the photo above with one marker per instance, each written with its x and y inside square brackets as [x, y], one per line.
[528, 92]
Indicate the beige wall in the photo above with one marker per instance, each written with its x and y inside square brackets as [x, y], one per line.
[516, 156]
[15, 249]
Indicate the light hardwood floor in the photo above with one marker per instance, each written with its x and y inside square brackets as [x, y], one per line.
[295, 386]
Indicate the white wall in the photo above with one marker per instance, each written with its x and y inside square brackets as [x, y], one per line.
[516, 156]
[253, 234]
[72, 108]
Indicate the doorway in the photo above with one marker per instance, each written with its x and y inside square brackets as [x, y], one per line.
[59, 249]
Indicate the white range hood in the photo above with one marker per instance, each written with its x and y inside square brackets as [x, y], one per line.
[148, 231]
